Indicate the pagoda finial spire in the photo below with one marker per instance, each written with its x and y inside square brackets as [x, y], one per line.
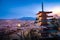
[42, 7]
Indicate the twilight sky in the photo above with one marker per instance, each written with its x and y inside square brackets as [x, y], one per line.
[26, 8]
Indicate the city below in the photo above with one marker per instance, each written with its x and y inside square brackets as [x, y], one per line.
[16, 29]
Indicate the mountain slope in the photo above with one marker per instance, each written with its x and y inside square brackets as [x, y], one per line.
[27, 18]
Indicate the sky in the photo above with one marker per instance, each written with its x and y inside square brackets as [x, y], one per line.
[10, 9]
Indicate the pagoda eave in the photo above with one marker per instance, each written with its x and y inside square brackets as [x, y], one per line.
[44, 12]
[46, 16]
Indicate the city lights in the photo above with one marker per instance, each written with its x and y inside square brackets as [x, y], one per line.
[19, 25]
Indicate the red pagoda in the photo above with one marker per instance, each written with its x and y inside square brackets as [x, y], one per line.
[42, 16]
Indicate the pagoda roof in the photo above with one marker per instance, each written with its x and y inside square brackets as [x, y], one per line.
[46, 16]
[43, 12]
